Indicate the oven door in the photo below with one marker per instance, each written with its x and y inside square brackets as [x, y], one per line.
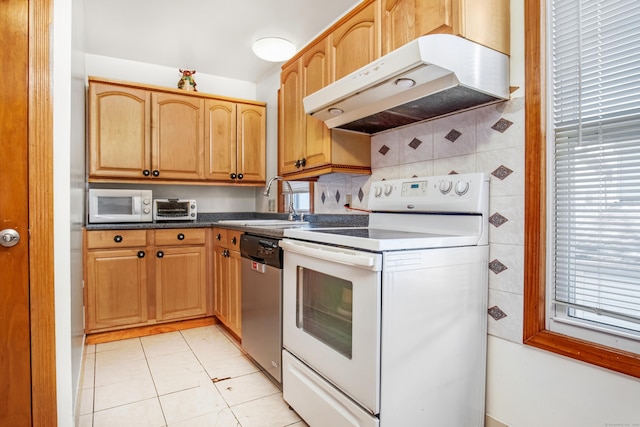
[331, 315]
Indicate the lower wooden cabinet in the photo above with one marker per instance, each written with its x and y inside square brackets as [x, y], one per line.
[227, 279]
[142, 277]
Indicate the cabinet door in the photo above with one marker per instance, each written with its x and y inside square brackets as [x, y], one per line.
[355, 43]
[291, 145]
[234, 317]
[221, 290]
[315, 76]
[119, 131]
[177, 136]
[251, 145]
[181, 285]
[116, 288]
[220, 147]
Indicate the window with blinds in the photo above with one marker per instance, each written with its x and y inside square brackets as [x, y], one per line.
[594, 157]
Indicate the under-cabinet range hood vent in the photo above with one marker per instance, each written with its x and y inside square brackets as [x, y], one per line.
[428, 77]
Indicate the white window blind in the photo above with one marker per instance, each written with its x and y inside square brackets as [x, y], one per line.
[595, 188]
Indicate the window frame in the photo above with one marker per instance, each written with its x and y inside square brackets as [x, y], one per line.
[535, 332]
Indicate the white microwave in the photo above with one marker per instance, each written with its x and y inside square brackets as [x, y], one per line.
[121, 205]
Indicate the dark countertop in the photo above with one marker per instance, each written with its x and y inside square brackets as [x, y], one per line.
[211, 220]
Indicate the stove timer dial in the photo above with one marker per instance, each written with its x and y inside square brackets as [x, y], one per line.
[445, 186]
[462, 187]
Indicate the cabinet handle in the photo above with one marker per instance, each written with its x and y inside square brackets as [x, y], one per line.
[159, 254]
[146, 172]
[233, 176]
[141, 254]
[156, 172]
[234, 240]
[218, 236]
[117, 238]
[180, 236]
[240, 176]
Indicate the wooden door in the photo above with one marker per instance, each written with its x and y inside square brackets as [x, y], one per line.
[15, 348]
[251, 145]
[315, 76]
[181, 283]
[177, 136]
[119, 131]
[355, 43]
[116, 288]
[290, 144]
[221, 297]
[220, 140]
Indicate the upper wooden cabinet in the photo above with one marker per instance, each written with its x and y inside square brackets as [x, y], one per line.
[355, 42]
[307, 148]
[119, 131]
[236, 148]
[484, 22]
[144, 133]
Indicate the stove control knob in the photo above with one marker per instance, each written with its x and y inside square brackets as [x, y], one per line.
[445, 186]
[378, 191]
[462, 187]
[388, 189]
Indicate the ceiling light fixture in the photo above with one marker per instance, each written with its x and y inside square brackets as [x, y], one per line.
[273, 49]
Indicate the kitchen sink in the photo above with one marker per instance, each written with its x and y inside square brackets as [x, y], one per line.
[263, 222]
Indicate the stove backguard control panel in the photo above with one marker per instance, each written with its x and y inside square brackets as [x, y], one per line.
[461, 193]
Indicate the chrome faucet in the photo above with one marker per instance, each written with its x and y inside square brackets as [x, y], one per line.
[292, 210]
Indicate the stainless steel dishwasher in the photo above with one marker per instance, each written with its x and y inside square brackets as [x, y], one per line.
[262, 302]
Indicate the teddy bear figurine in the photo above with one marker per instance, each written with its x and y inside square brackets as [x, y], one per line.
[187, 82]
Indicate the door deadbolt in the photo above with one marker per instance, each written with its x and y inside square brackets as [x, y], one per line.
[9, 237]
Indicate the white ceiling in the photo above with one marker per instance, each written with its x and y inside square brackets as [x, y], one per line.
[211, 36]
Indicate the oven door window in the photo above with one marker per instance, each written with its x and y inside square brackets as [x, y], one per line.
[324, 309]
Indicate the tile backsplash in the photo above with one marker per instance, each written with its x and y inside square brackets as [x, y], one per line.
[488, 139]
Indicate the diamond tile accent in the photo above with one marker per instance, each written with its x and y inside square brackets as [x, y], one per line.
[415, 143]
[453, 173]
[453, 135]
[497, 267]
[502, 125]
[496, 313]
[360, 194]
[502, 172]
[497, 220]
[337, 196]
[323, 197]
[384, 150]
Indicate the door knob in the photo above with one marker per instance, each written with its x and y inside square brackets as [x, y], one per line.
[9, 237]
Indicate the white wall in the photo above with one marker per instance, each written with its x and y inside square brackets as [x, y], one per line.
[68, 187]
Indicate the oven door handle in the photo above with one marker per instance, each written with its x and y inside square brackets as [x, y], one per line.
[333, 254]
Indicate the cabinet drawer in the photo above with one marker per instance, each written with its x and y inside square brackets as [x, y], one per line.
[180, 236]
[233, 239]
[116, 239]
[220, 236]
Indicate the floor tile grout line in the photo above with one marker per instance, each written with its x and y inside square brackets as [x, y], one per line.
[153, 380]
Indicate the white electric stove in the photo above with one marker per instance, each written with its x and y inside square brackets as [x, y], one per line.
[385, 325]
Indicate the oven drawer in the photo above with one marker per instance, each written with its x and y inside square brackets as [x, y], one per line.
[318, 402]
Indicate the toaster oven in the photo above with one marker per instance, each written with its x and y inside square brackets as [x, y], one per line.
[175, 210]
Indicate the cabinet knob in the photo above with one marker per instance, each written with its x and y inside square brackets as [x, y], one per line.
[234, 240]
[141, 254]
[304, 162]
[225, 253]
[218, 236]
[117, 238]
[240, 176]
[298, 163]
[156, 172]
[180, 236]
[233, 176]
[159, 254]
[146, 172]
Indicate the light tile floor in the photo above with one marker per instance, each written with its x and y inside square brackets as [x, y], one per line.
[194, 377]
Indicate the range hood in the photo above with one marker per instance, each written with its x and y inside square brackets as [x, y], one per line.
[428, 77]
